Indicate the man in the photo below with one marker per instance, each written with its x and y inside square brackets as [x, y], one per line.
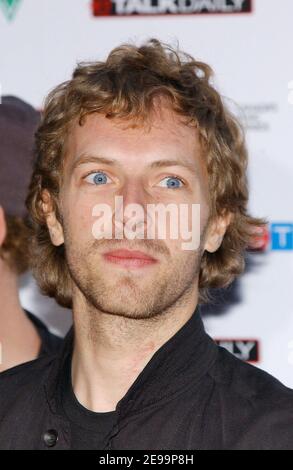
[137, 370]
[23, 337]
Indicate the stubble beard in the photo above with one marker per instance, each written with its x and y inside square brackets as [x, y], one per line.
[125, 294]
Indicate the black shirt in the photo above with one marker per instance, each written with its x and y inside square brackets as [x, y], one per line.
[191, 395]
[89, 430]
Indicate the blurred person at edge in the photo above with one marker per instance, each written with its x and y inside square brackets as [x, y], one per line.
[23, 337]
[138, 370]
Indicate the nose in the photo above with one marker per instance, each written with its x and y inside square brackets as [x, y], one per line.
[133, 192]
[131, 213]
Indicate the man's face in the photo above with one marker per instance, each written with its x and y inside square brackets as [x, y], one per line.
[108, 158]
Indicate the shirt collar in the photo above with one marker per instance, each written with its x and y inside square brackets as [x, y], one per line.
[184, 359]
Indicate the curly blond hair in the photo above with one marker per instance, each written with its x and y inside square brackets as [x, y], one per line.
[125, 86]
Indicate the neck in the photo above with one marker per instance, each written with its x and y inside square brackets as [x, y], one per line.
[19, 340]
[110, 351]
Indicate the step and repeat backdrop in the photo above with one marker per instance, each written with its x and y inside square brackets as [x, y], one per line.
[249, 44]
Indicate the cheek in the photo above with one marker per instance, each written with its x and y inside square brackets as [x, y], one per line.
[183, 264]
[78, 219]
[80, 207]
[182, 250]
[187, 227]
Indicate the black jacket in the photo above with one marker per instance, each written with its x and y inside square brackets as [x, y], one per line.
[191, 395]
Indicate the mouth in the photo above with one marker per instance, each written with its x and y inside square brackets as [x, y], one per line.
[129, 258]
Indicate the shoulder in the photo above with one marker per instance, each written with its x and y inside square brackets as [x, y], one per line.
[22, 393]
[24, 378]
[23, 403]
[246, 380]
[255, 406]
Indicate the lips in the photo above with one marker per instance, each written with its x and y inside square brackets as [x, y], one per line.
[129, 254]
[129, 258]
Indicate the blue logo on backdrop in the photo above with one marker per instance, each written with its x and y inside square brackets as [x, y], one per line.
[282, 236]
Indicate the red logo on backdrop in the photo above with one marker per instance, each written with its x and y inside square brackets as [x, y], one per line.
[169, 7]
[102, 7]
[260, 239]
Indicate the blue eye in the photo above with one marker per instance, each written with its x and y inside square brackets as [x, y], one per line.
[173, 182]
[97, 178]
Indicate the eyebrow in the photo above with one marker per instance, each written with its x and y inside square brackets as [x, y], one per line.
[163, 163]
[112, 162]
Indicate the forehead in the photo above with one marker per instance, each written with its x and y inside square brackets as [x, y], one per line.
[166, 135]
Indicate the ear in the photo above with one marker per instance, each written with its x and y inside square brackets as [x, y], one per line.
[54, 226]
[3, 227]
[216, 232]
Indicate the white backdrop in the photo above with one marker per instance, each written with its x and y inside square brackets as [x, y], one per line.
[252, 57]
